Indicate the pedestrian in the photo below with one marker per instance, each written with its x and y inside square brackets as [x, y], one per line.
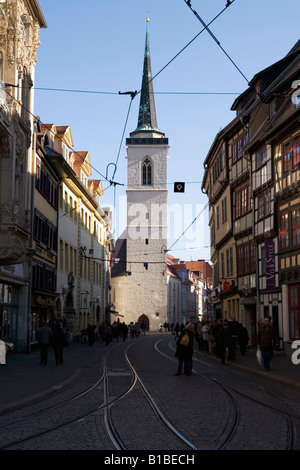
[243, 339]
[91, 334]
[233, 327]
[44, 335]
[266, 339]
[177, 329]
[223, 340]
[185, 353]
[107, 334]
[218, 325]
[132, 330]
[124, 329]
[205, 332]
[59, 341]
[143, 328]
[199, 334]
[160, 327]
[211, 339]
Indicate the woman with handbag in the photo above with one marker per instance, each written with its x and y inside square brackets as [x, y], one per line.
[184, 350]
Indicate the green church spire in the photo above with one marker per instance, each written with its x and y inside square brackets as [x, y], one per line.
[147, 114]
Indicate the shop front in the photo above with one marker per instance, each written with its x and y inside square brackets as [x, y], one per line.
[43, 309]
[8, 312]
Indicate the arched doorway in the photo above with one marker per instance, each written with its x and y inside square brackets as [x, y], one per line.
[145, 319]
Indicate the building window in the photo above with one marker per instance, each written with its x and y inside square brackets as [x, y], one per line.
[294, 309]
[243, 203]
[218, 217]
[146, 173]
[222, 266]
[286, 157]
[296, 227]
[218, 166]
[257, 91]
[296, 150]
[261, 158]
[245, 259]
[284, 231]
[264, 206]
[229, 261]
[238, 146]
[224, 209]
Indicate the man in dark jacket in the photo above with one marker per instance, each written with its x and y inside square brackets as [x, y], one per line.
[265, 338]
[233, 327]
[44, 334]
[223, 340]
[185, 353]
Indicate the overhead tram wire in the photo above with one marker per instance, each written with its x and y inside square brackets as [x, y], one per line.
[204, 208]
[36, 117]
[135, 93]
[188, 2]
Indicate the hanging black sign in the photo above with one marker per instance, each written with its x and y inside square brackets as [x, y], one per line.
[178, 187]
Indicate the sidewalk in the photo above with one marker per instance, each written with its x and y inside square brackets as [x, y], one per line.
[282, 368]
[24, 378]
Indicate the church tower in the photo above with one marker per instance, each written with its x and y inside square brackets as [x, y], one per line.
[146, 256]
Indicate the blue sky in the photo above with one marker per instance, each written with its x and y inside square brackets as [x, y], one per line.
[98, 46]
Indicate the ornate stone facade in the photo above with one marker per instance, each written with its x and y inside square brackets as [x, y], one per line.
[20, 22]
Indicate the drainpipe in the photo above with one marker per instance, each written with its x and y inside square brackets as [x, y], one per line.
[30, 250]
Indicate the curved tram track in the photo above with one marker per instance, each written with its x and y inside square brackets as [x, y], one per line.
[134, 402]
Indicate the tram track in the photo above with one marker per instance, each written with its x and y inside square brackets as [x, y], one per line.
[121, 384]
[272, 398]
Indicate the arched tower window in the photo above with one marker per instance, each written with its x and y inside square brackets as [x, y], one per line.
[146, 172]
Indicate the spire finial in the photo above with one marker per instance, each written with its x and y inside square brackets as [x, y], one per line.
[147, 19]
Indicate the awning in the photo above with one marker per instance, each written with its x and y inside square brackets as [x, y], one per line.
[117, 314]
[248, 301]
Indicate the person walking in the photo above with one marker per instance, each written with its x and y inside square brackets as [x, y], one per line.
[233, 327]
[177, 329]
[44, 335]
[266, 338]
[59, 340]
[223, 340]
[124, 329]
[199, 334]
[143, 328]
[91, 334]
[107, 333]
[243, 339]
[184, 353]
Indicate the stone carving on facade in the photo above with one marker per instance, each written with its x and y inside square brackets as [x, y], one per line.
[5, 146]
[9, 212]
[22, 35]
[5, 212]
[13, 252]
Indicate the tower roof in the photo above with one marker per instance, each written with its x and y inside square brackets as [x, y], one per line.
[147, 113]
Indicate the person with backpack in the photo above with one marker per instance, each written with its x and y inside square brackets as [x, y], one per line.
[184, 350]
